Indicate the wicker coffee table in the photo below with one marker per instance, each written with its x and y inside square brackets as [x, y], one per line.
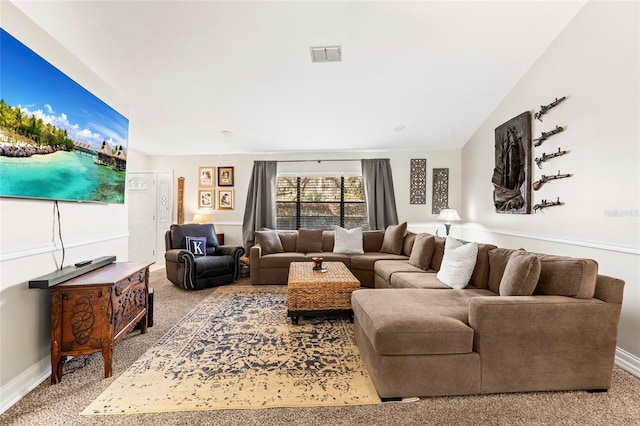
[313, 293]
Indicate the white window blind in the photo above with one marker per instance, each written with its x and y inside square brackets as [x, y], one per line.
[319, 202]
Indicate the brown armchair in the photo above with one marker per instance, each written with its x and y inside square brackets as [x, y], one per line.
[205, 263]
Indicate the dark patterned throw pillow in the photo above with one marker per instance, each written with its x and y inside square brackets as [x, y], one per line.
[197, 245]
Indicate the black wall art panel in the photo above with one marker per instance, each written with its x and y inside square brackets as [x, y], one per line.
[512, 172]
[418, 178]
[440, 190]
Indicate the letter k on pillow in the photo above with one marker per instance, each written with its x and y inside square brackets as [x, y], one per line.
[197, 245]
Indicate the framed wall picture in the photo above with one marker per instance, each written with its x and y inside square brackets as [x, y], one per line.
[205, 198]
[205, 176]
[225, 176]
[225, 199]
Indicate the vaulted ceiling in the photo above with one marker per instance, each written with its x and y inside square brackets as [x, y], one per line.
[217, 77]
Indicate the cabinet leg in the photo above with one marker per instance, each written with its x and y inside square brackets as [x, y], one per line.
[144, 323]
[107, 354]
[56, 369]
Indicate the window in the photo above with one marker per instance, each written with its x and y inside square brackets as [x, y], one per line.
[320, 202]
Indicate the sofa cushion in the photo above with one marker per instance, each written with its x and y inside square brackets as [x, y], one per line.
[281, 260]
[328, 241]
[438, 253]
[309, 240]
[422, 251]
[385, 268]
[393, 240]
[559, 275]
[197, 245]
[372, 241]
[520, 275]
[289, 240]
[458, 263]
[178, 234]
[480, 276]
[407, 245]
[498, 258]
[432, 321]
[348, 241]
[269, 241]
[213, 266]
[367, 261]
[567, 276]
[422, 280]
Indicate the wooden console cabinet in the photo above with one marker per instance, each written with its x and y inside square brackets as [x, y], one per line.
[91, 312]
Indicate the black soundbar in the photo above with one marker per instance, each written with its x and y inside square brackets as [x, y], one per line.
[60, 276]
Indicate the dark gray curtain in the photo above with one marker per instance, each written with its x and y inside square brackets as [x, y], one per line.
[379, 196]
[260, 210]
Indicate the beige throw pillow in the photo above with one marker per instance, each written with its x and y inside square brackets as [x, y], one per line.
[520, 275]
[458, 263]
[269, 241]
[348, 241]
[309, 241]
[498, 259]
[394, 239]
[422, 251]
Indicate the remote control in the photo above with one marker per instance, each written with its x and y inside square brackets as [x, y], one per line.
[83, 263]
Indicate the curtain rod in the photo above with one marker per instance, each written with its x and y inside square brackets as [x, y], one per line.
[316, 161]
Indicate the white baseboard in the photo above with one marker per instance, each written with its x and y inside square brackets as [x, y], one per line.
[17, 388]
[628, 361]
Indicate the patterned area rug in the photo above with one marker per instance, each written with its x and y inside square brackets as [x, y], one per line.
[238, 350]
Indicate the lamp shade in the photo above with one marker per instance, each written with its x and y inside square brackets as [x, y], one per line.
[449, 215]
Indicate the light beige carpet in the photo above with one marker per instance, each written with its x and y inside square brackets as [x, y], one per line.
[238, 350]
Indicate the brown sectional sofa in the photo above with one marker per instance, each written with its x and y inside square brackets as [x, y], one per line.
[420, 337]
[273, 268]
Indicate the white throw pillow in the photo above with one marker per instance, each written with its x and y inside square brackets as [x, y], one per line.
[348, 241]
[458, 263]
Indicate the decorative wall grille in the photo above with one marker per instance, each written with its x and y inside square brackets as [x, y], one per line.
[440, 190]
[418, 181]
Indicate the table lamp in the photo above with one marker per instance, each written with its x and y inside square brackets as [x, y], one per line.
[448, 215]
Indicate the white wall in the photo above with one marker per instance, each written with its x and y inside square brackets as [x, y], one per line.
[229, 222]
[595, 63]
[29, 243]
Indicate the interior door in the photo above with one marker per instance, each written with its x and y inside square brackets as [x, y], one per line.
[141, 192]
[164, 210]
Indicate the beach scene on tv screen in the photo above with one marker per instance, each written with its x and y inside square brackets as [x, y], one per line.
[57, 140]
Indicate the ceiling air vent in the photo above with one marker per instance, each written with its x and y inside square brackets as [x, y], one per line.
[326, 53]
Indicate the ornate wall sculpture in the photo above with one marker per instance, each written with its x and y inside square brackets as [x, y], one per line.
[440, 190]
[512, 172]
[418, 178]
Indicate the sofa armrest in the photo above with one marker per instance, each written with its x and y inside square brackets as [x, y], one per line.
[234, 251]
[178, 255]
[255, 253]
[231, 250]
[179, 267]
[544, 342]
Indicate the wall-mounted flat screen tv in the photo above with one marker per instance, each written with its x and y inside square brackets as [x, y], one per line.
[57, 140]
